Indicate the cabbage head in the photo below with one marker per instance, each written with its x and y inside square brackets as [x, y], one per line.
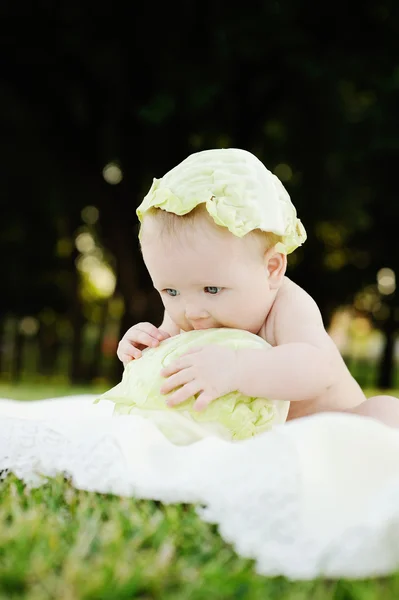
[232, 417]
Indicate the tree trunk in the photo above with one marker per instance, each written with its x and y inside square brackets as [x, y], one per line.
[18, 346]
[95, 365]
[387, 367]
[49, 346]
[2, 344]
[76, 371]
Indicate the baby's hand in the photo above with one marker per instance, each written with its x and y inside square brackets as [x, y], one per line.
[138, 337]
[209, 371]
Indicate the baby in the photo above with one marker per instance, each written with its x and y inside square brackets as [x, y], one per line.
[215, 234]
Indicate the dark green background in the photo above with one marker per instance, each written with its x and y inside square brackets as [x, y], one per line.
[310, 85]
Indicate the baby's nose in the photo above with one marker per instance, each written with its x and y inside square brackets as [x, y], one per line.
[194, 312]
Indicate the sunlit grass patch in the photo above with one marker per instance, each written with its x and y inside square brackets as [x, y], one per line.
[59, 542]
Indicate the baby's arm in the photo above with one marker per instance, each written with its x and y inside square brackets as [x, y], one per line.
[305, 361]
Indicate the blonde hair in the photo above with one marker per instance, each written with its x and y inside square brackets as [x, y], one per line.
[173, 224]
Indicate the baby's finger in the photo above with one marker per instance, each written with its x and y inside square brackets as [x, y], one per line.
[176, 380]
[126, 359]
[163, 335]
[184, 393]
[150, 329]
[180, 363]
[126, 351]
[142, 337]
[202, 401]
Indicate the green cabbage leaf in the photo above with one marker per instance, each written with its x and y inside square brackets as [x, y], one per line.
[232, 417]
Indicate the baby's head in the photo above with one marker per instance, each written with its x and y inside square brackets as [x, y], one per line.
[205, 241]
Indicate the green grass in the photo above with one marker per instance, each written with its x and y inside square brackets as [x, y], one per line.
[39, 391]
[59, 542]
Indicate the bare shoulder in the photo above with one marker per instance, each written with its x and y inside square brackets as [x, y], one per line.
[297, 318]
[294, 302]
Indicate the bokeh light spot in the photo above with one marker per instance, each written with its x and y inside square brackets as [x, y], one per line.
[29, 326]
[85, 243]
[386, 281]
[112, 173]
[90, 215]
[283, 172]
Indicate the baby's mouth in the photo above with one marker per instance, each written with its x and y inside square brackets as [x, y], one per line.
[199, 326]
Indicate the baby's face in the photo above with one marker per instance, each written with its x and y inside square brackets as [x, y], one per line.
[208, 278]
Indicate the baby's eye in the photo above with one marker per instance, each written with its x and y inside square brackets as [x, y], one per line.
[171, 292]
[211, 289]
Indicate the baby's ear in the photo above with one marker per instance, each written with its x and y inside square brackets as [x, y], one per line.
[276, 265]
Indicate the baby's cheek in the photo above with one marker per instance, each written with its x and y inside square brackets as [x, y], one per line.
[177, 317]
